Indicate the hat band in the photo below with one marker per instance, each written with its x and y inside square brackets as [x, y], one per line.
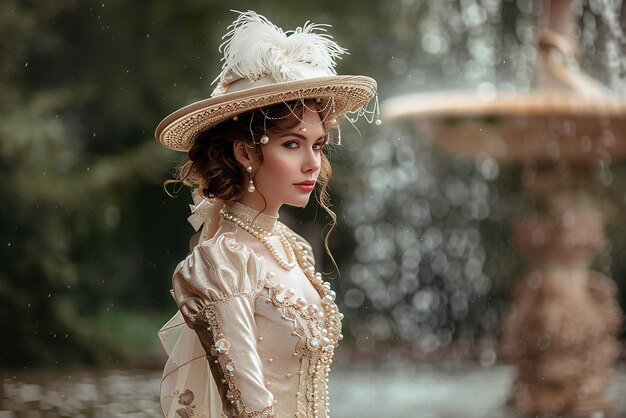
[296, 72]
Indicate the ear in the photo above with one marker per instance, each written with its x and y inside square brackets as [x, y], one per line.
[244, 153]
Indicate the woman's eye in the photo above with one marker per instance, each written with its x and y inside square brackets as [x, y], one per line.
[291, 144]
[319, 146]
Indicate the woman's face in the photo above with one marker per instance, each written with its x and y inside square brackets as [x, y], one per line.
[290, 166]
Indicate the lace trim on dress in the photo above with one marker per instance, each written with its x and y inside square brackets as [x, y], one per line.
[267, 412]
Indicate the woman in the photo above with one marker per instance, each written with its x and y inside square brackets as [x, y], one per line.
[249, 298]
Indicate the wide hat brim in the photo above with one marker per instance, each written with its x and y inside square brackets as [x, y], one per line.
[178, 130]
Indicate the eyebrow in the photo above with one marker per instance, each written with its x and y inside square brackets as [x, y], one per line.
[297, 135]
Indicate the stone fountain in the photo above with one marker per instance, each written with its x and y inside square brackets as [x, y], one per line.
[561, 329]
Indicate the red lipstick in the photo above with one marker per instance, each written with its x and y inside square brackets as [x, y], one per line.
[306, 186]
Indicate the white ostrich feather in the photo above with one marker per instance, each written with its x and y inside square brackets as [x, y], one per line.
[254, 48]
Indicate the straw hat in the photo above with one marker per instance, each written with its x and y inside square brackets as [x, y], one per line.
[264, 66]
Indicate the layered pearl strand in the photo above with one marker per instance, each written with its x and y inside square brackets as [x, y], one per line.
[264, 236]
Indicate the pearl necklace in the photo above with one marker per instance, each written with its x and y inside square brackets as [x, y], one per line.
[264, 237]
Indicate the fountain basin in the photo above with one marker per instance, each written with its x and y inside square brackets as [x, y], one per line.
[540, 126]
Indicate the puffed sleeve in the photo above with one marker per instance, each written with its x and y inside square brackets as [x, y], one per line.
[215, 288]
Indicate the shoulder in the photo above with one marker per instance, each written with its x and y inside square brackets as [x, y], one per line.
[219, 268]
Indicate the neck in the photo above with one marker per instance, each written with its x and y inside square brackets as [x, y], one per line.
[252, 217]
[256, 202]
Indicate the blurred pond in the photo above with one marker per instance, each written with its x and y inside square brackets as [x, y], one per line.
[395, 391]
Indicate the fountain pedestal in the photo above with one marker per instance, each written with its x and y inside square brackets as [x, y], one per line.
[560, 331]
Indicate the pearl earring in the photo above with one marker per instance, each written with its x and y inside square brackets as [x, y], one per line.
[251, 187]
[264, 139]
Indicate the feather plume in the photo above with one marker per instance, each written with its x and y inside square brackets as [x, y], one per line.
[254, 48]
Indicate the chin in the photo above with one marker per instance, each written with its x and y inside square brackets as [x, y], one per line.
[299, 203]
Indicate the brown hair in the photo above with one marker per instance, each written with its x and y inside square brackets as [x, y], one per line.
[212, 168]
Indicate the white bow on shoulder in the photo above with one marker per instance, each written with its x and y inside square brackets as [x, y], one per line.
[205, 212]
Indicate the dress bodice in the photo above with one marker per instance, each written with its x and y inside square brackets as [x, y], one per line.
[269, 348]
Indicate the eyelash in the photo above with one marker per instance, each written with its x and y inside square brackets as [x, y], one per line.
[321, 145]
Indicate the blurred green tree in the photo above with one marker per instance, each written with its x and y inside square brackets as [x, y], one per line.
[73, 157]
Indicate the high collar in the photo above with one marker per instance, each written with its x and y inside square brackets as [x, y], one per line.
[252, 217]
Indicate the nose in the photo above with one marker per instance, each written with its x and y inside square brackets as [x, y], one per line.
[312, 161]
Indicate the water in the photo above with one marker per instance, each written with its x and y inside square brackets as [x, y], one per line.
[392, 391]
[109, 393]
